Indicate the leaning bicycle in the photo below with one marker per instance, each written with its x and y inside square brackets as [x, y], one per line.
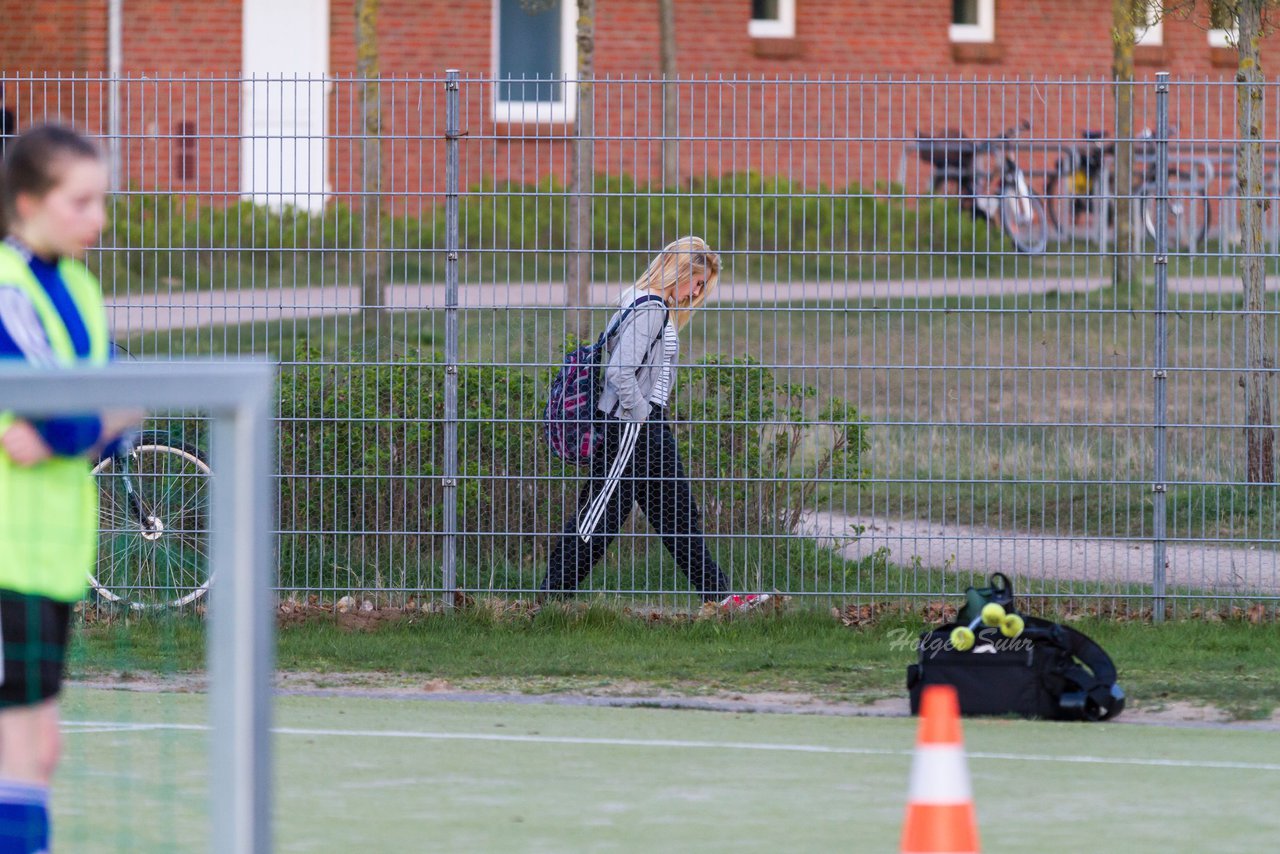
[1081, 194]
[153, 523]
[989, 182]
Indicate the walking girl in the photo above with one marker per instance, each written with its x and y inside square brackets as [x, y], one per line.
[53, 186]
[638, 461]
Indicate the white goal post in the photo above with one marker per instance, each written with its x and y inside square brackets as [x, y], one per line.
[238, 398]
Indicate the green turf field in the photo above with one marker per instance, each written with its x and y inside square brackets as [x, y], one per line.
[373, 774]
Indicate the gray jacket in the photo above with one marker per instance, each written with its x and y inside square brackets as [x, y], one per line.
[636, 357]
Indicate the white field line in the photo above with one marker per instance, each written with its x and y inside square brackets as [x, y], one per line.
[76, 727]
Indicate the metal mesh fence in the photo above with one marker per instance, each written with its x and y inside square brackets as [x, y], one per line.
[945, 341]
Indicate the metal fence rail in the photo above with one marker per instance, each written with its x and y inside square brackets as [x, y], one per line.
[920, 364]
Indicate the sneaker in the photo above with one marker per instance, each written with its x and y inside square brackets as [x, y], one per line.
[749, 602]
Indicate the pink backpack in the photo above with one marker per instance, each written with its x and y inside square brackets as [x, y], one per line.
[570, 420]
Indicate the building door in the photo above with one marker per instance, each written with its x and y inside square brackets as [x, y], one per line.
[283, 151]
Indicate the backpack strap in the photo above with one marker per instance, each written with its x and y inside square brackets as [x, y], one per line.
[622, 316]
[1097, 696]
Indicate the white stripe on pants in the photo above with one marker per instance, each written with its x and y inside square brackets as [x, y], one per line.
[590, 517]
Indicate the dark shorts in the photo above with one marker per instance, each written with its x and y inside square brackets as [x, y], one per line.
[33, 647]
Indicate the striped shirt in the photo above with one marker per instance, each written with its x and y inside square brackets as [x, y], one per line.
[666, 377]
[22, 336]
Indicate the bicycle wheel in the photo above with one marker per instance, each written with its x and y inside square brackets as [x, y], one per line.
[1023, 218]
[153, 517]
[1187, 222]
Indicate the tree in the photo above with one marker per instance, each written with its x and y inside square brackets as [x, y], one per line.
[371, 297]
[1126, 17]
[581, 171]
[670, 94]
[1251, 24]
[1259, 435]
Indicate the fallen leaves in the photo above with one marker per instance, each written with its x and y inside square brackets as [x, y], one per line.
[366, 612]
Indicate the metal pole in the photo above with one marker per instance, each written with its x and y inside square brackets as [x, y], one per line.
[115, 62]
[1160, 373]
[241, 645]
[1107, 220]
[451, 243]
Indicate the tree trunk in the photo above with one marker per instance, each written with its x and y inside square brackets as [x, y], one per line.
[1122, 42]
[670, 94]
[581, 172]
[371, 297]
[1259, 435]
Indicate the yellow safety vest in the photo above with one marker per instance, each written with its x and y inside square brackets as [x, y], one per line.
[49, 511]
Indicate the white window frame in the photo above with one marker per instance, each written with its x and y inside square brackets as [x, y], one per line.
[1152, 32]
[1224, 38]
[983, 31]
[542, 112]
[781, 27]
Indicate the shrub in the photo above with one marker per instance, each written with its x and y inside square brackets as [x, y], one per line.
[362, 458]
[765, 228]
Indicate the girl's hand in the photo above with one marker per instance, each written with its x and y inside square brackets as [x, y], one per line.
[23, 444]
[115, 423]
[118, 421]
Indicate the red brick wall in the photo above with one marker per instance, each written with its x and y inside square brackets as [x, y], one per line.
[746, 122]
[53, 35]
[733, 125]
[44, 40]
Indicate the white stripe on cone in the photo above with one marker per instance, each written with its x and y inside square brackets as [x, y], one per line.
[940, 775]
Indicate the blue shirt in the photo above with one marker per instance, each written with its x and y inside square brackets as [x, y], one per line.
[22, 337]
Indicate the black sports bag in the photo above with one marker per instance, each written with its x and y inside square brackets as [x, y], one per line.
[1048, 671]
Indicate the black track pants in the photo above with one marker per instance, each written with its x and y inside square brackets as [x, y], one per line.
[635, 463]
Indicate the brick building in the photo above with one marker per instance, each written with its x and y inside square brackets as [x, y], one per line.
[758, 75]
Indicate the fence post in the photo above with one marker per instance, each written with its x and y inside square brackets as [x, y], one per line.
[452, 133]
[1160, 373]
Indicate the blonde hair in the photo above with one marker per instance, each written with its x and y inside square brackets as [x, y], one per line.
[680, 260]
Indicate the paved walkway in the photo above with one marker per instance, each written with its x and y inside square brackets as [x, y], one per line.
[133, 314]
[1049, 557]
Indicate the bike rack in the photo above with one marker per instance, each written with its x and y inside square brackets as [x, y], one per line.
[1229, 201]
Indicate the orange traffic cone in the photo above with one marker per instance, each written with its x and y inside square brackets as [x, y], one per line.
[940, 815]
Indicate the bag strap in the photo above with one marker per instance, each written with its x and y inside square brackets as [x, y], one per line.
[1097, 697]
[622, 316]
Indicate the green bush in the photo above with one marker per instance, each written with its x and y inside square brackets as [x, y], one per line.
[362, 460]
[765, 229]
[761, 449]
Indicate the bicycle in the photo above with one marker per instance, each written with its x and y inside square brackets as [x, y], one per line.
[153, 523]
[1001, 195]
[1081, 194]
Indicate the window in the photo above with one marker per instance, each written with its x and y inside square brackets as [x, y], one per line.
[973, 20]
[186, 156]
[536, 59]
[1223, 27]
[772, 19]
[1150, 32]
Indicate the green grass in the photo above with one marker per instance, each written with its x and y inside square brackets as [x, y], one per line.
[640, 573]
[1229, 664]
[972, 439]
[365, 774]
[1011, 412]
